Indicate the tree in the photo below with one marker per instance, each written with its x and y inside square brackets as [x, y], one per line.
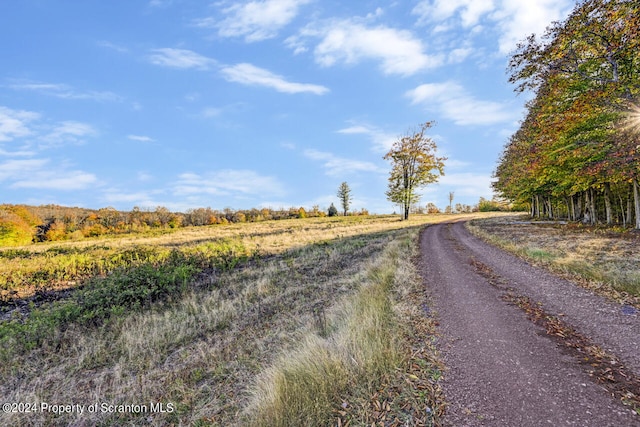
[332, 210]
[413, 165]
[344, 195]
[450, 201]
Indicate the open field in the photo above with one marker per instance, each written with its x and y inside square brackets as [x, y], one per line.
[60, 265]
[604, 260]
[225, 326]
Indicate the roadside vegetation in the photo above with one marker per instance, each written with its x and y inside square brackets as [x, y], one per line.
[604, 259]
[230, 325]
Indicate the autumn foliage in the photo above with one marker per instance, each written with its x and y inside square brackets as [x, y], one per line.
[576, 152]
[22, 225]
[413, 165]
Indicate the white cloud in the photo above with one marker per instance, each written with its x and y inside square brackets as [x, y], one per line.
[437, 11]
[518, 19]
[140, 198]
[354, 130]
[459, 55]
[254, 20]
[251, 75]
[20, 153]
[453, 101]
[382, 141]
[514, 20]
[349, 41]
[465, 184]
[112, 46]
[180, 58]
[13, 123]
[228, 182]
[39, 174]
[51, 180]
[68, 132]
[140, 138]
[64, 91]
[338, 166]
[72, 128]
[211, 112]
[12, 169]
[144, 176]
[160, 3]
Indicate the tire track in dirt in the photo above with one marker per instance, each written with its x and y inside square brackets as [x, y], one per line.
[502, 369]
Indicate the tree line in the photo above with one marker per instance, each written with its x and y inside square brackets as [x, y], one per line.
[23, 224]
[576, 152]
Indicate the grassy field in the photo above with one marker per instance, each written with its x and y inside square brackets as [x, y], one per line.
[603, 259]
[247, 324]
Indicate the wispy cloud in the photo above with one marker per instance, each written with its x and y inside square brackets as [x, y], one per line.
[180, 58]
[140, 138]
[210, 112]
[251, 75]
[64, 91]
[228, 182]
[41, 174]
[339, 166]
[144, 199]
[14, 123]
[19, 153]
[514, 19]
[15, 169]
[518, 19]
[32, 130]
[73, 128]
[160, 3]
[468, 11]
[254, 20]
[144, 176]
[67, 132]
[456, 104]
[466, 184]
[112, 46]
[351, 41]
[382, 141]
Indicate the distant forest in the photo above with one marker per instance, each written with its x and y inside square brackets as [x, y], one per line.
[22, 224]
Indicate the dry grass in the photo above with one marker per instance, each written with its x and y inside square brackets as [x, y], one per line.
[332, 287]
[62, 265]
[602, 259]
[305, 386]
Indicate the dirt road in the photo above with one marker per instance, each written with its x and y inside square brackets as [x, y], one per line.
[504, 370]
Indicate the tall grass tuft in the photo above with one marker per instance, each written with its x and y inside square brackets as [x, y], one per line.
[306, 386]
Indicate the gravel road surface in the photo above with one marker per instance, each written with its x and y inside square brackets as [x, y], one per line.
[502, 369]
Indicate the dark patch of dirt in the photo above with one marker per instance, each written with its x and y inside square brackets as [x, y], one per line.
[21, 307]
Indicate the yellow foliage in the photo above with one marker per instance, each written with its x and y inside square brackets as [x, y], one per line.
[14, 230]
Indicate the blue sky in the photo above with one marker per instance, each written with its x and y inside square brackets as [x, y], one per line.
[264, 103]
